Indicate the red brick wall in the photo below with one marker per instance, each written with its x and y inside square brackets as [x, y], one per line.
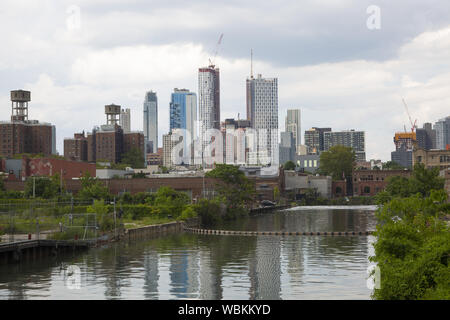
[49, 167]
[193, 184]
[370, 182]
[336, 185]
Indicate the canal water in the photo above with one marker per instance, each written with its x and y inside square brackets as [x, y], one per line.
[193, 266]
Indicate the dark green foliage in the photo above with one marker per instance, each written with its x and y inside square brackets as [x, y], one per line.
[91, 188]
[392, 165]
[134, 158]
[289, 165]
[413, 248]
[337, 162]
[44, 187]
[209, 212]
[422, 182]
[233, 186]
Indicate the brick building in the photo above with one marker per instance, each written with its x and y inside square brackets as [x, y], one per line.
[106, 143]
[370, 182]
[193, 186]
[21, 135]
[20, 169]
[432, 158]
[76, 148]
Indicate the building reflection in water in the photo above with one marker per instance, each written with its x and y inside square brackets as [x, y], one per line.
[151, 276]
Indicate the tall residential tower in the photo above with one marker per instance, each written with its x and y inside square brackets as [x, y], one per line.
[292, 124]
[262, 111]
[208, 100]
[151, 122]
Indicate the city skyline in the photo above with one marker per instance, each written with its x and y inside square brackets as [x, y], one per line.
[343, 79]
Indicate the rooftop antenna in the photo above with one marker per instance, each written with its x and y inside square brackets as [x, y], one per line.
[251, 63]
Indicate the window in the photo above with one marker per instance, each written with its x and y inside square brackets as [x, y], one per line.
[366, 189]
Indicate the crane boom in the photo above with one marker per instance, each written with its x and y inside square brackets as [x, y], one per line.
[211, 61]
[413, 124]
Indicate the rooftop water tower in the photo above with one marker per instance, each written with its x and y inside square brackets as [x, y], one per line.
[19, 105]
[112, 112]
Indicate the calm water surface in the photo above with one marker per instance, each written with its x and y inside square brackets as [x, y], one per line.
[190, 266]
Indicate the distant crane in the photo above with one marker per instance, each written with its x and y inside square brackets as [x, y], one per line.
[211, 61]
[413, 124]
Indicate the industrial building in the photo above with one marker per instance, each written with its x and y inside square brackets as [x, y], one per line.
[21, 135]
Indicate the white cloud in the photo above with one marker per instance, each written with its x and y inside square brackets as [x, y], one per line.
[117, 56]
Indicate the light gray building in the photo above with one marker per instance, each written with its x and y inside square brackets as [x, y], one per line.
[299, 183]
[293, 124]
[262, 111]
[309, 162]
[125, 120]
[442, 128]
[208, 102]
[348, 138]
[151, 122]
[287, 148]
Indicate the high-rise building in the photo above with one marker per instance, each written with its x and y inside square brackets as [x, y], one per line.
[262, 112]
[348, 138]
[404, 145]
[183, 112]
[151, 122]
[426, 137]
[235, 146]
[442, 128]
[208, 101]
[125, 120]
[21, 135]
[169, 142]
[293, 124]
[287, 147]
[76, 148]
[312, 141]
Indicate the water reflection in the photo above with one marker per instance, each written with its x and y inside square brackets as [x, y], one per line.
[190, 266]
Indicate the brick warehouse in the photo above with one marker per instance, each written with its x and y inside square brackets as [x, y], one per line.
[21, 135]
[370, 182]
[192, 185]
[19, 169]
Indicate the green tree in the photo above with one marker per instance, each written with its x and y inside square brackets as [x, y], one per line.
[91, 188]
[233, 186]
[170, 202]
[2, 185]
[134, 158]
[43, 187]
[392, 165]
[424, 180]
[412, 248]
[338, 162]
[289, 165]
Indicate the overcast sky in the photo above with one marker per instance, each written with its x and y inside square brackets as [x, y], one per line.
[77, 56]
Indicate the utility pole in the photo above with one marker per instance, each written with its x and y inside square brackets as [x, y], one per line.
[115, 228]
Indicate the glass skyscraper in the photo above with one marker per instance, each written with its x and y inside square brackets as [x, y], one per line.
[183, 115]
[151, 122]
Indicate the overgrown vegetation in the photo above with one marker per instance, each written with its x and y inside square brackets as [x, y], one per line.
[413, 239]
[235, 195]
[337, 162]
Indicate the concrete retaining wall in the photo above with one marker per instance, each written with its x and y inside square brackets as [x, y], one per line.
[154, 230]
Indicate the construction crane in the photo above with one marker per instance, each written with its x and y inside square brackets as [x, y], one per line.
[413, 124]
[211, 62]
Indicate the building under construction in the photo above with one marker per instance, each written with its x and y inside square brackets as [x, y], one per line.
[404, 145]
[21, 135]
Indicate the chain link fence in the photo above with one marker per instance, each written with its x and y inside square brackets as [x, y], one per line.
[54, 220]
